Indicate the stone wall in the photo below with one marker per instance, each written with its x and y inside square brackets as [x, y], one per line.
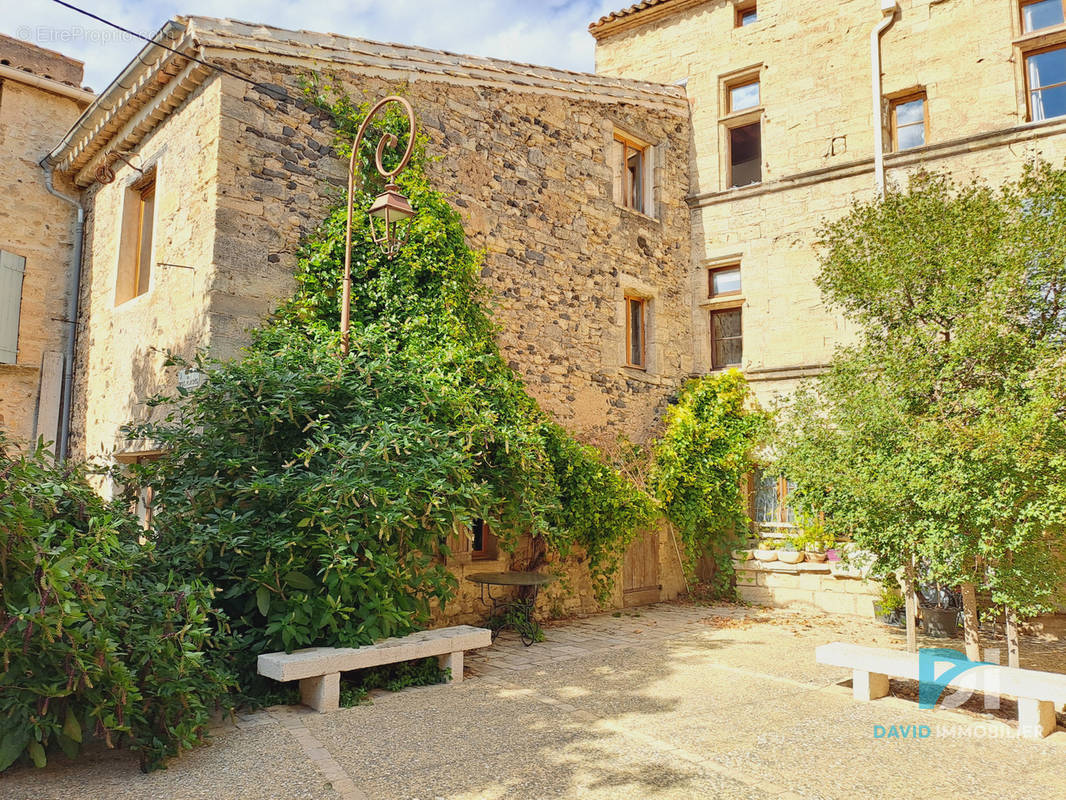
[529, 174]
[122, 346]
[805, 587]
[244, 176]
[39, 227]
[817, 139]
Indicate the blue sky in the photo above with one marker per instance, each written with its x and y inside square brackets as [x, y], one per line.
[550, 32]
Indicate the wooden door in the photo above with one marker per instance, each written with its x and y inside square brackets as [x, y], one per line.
[640, 571]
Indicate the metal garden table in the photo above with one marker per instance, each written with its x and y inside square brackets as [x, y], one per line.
[512, 612]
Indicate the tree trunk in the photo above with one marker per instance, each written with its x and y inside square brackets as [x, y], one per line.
[912, 607]
[1012, 639]
[971, 631]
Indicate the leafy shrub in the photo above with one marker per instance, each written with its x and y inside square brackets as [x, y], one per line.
[96, 639]
[700, 461]
[317, 491]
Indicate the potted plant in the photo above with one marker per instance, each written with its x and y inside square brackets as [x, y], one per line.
[766, 551]
[742, 555]
[813, 539]
[940, 610]
[890, 607]
[787, 553]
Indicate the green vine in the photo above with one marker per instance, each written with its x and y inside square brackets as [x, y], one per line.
[316, 492]
[700, 463]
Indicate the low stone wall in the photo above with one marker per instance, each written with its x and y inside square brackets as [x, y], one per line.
[806, 586]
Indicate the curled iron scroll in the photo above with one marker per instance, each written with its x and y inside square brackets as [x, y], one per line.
[387, 139]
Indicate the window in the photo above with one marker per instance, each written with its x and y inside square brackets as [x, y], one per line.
[483, 542]
[635, 332]
[135, 247]
[771, 500]
[745, 154]
[743, 96]
[630, 166]
[12, 270]
[726, 340]
[746, 14]
[909, 121]
[1045, 83]
[723, 281]
[1037, 14]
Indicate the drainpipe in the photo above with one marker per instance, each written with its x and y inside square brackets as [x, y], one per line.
[66, 412]
[888, 11]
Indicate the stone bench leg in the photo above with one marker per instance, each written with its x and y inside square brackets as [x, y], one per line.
[868, 685]
[454, 662]
[1036, 718]
[322, 693]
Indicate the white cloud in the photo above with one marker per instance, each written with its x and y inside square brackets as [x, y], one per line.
[549, 32]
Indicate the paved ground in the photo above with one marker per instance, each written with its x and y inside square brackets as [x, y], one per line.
[667, 702]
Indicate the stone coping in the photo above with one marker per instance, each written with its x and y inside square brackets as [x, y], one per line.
[755, 565]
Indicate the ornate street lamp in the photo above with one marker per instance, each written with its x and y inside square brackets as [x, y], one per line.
[391, 207]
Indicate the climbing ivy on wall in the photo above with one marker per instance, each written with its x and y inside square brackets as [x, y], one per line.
[701, 460]
[316, 492]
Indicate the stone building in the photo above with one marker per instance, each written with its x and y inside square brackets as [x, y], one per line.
[40, 96]
[199, 186]
[797, 108]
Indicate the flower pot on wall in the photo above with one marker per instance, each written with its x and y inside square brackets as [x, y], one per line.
[766, 555]
[815, 558]
[789, 556]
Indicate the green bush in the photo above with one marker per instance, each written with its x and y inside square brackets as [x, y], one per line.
[700, 462]
[317, 492]
[96, 638]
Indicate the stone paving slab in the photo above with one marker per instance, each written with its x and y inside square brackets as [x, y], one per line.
[671, 701]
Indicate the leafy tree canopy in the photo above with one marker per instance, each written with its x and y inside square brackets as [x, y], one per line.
[941, 433]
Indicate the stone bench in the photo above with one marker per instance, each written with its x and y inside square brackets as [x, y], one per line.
[318, 669]
[1037, 693]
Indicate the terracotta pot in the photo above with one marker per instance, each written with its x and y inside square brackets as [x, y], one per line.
[816, 558]
[766, 555]
[789, 556]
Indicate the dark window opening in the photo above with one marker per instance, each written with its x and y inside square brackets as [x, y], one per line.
[745, 154]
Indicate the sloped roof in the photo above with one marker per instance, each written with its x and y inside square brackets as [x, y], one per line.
[638, 14]
[158, 79]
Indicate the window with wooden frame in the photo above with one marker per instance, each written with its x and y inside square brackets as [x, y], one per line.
[135, 244]
[1045, 83]
[909, 121]
[631, 157]
[636, 332]
[727, 342]
[770, 500]
[1039, 14]
[723, 281]
[745, 14]
[483, 543]
[743, 95]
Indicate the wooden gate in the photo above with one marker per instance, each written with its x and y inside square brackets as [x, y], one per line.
[640, 571]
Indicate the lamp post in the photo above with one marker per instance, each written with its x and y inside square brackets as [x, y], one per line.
[390, 206]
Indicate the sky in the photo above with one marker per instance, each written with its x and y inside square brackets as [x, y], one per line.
[549, 32]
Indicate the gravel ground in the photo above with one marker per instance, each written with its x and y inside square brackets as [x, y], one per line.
[669, 702]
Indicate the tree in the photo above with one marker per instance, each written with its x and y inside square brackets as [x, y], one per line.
[940, 436]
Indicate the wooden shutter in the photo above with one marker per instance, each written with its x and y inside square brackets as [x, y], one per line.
[12, 268]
